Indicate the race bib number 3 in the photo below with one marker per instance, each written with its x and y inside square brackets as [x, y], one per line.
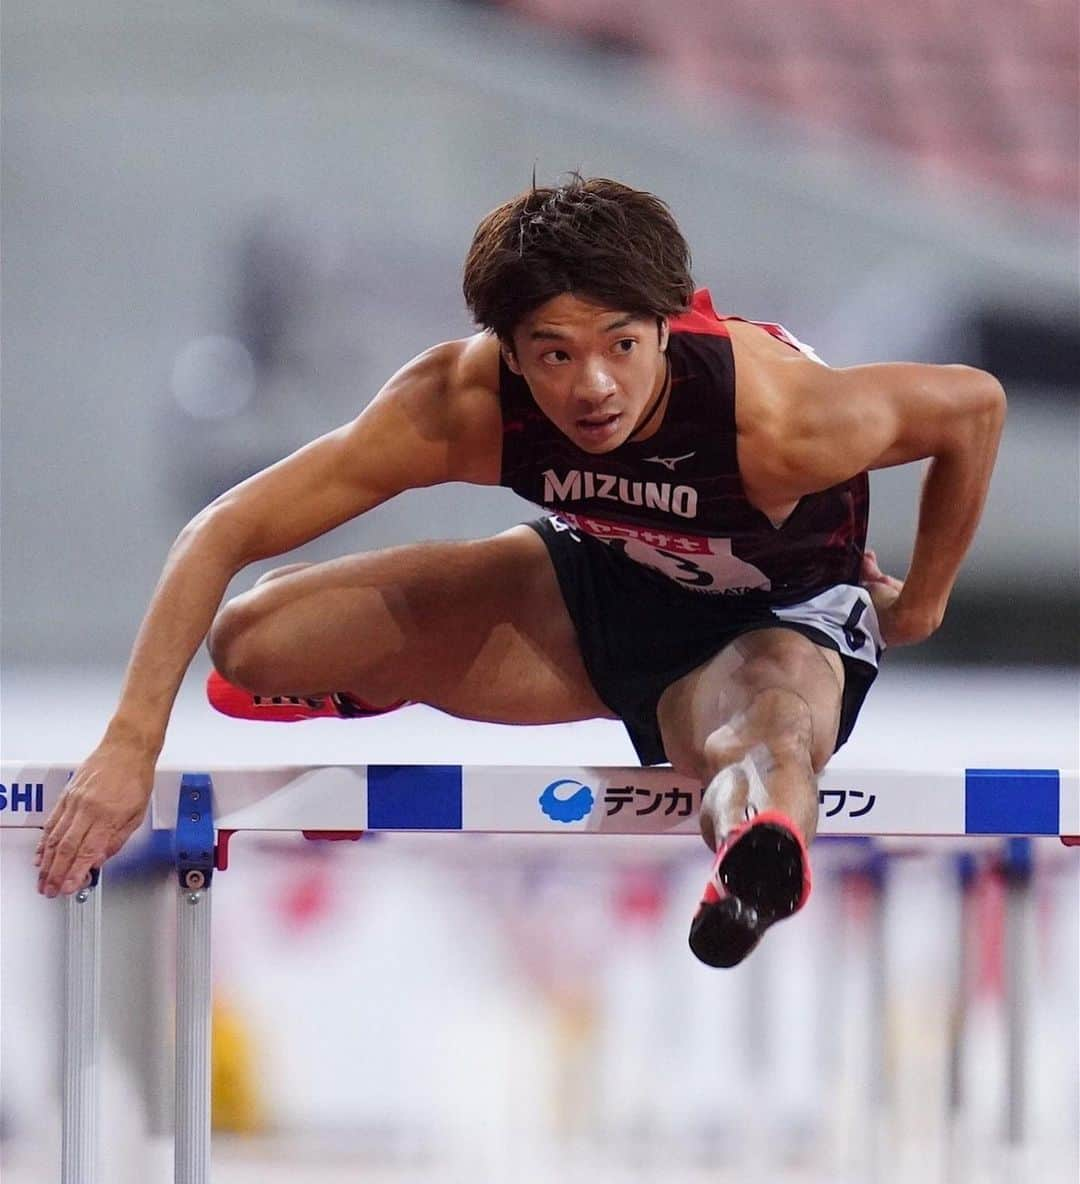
[695, 561]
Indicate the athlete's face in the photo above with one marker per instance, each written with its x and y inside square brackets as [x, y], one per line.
[595, 372]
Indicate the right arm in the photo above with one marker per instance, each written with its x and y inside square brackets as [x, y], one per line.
[416, 432]
[436, 420]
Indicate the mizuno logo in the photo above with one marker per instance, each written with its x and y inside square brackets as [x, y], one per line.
[669, 462]
[576, 485]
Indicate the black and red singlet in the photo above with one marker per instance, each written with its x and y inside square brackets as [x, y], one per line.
[675, 502]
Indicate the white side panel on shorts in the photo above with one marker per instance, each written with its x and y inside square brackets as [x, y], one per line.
[830, 611]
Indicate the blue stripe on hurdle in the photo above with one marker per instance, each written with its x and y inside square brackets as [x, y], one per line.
[414, 797]
[1012, 801]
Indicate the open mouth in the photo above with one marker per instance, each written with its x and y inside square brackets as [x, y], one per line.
[598, 427]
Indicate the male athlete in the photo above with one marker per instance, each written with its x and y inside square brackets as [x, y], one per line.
[702, 574]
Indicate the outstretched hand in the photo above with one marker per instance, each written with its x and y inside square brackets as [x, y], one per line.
[98, 812]
[899, 625]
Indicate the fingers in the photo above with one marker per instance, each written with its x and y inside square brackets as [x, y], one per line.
[102, 805]
[67, 855]
[870, 573]
[89, 854]
[77, 839]
[54, 821]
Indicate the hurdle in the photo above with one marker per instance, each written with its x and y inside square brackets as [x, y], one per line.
[204, 809]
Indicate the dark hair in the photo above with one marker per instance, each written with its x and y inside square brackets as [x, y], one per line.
[596, 238]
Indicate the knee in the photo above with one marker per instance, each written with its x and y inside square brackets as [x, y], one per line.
[277, 572]
[234, 643]
[777, 722]
[240, 642]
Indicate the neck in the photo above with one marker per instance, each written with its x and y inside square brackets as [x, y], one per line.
[657, 403]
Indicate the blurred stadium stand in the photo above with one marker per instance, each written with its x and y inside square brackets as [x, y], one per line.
[301, 180]
[989, 90]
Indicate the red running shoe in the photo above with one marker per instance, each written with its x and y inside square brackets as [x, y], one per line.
[761, 875]
[287, 709]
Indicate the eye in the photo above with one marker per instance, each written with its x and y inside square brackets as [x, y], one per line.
[625, 345]
[555, 357]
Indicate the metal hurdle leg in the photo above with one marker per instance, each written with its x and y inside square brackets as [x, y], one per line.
[194, 863]
[957, 1168]
[193, 1001]
[879, 1091]
[1018, 870]
[82, 1006]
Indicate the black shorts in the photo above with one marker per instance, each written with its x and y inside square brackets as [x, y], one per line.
[639, 631]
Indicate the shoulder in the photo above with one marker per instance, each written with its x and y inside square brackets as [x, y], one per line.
[452, 368]
[449, 380]
[809, 426]
[781, 391]
[444, 403]
[777, 377]
[471, 413]
[473, 366]
[472, 384]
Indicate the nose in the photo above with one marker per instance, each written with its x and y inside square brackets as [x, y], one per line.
[595, 382]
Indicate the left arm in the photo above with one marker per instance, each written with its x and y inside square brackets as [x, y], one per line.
[874, 417]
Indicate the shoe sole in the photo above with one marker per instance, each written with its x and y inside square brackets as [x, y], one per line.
[763, 876]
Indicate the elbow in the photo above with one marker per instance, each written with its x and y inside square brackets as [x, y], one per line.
[985, 395]
[981, 409]
[991, 409]
[992, 397]
[217, 531]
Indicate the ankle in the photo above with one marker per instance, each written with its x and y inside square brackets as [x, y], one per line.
[724, 804]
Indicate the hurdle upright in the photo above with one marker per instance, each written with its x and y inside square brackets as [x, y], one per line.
[204, 809]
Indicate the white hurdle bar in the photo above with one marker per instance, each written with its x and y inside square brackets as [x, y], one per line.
[340, 800]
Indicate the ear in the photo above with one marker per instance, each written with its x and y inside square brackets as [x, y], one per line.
[665, 333]
[509, 358]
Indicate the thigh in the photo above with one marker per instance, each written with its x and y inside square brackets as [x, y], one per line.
[478, 629]
[714, 694]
